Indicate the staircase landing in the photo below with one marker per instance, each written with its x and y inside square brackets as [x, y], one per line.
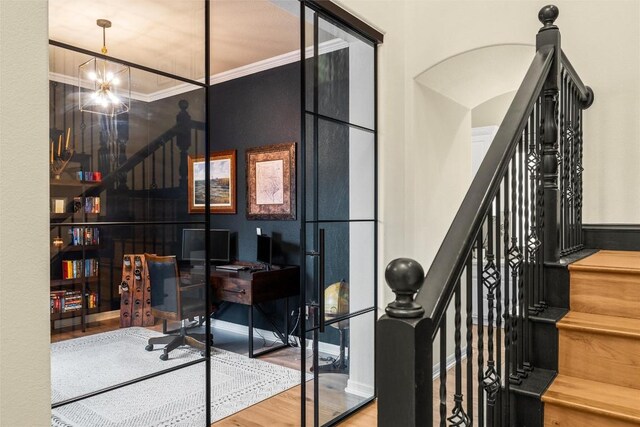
[599, 346]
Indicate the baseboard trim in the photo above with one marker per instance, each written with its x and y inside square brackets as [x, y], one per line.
[330, 349]
[450, 361]
[97, 317]
[359, 389]
[620, 237]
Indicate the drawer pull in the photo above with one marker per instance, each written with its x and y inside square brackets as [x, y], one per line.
[235, 292]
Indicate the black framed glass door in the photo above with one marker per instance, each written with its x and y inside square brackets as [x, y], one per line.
[338, 219]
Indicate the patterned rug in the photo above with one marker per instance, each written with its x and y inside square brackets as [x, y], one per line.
[176, 399]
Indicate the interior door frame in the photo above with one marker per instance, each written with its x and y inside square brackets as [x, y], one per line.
[339, 17]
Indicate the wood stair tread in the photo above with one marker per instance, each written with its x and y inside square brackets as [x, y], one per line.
[610, 261]
[595, 397]
[599, 323]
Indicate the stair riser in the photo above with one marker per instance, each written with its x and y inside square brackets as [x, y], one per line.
[600, 357]
[562, 416]
[612, 294]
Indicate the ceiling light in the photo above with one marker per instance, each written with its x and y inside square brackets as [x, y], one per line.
[104, 86]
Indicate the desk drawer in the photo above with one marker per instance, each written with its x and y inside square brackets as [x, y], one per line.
[233, 290]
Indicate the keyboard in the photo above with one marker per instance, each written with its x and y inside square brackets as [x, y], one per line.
[232, 267]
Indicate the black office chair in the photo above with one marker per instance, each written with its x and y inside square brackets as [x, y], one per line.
[172, 301]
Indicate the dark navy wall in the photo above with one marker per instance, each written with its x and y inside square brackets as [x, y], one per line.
[256, 110]
[252, 111]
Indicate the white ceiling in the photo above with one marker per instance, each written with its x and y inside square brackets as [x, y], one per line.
[169, 35]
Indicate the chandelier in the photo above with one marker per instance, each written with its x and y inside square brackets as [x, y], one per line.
[104, 86]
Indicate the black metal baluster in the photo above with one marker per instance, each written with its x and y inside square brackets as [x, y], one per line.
[521, 234]
[458, 416]
[480, 302]
[535, 171]
[566, 169]
[574, 174]
[524, 300]
[531, 169]
[469, 284]
[490, 280]
[506, 419]
[579, 169]
[443, 373]
[498, 292]
[562, 141]
[515, 259]
[171, 151]
[164, 165]
[540, 302]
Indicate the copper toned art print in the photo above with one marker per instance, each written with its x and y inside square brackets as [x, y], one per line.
[271, 182]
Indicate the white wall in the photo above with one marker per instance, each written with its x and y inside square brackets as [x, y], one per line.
[603, 45]
[491, 112]
[24, 214]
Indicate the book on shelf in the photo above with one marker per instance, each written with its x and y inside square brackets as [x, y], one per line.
[73, 269]
[67, 301]
[91, 204]
[84, 236]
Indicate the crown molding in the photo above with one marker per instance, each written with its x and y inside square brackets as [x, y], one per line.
[73, 81]
[236, 73]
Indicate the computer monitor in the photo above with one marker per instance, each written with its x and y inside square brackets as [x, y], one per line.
[264, 250]
[193, 245]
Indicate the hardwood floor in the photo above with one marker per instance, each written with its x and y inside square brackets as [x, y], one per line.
[284, 409]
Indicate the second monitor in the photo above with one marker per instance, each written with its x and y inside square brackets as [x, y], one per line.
[193, 245]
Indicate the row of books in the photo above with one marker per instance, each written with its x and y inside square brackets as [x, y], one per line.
[66, 301]
[91, 204]
[90, 236]
[72, 269]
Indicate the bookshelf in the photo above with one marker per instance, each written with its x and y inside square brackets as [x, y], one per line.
[75, 266]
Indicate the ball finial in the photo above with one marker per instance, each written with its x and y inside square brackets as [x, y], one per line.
[405, 277]
[548, 15]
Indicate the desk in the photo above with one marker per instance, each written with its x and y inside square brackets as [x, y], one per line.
[254, 288]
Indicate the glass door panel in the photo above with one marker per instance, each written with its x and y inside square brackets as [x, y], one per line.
[340, 174]
[340, 84]
[339, 220]
[345, 366]
[348, 276]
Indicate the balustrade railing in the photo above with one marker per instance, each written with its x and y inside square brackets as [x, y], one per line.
[522, 209]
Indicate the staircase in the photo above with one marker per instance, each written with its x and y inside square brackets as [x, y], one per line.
[598, 382]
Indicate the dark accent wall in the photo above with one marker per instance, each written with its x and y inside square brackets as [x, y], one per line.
[256, 110]
[262, 109]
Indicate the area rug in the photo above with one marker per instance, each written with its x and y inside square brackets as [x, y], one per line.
[176, 399]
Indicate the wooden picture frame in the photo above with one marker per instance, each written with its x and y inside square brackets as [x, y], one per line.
[271, 182]
[223, 183]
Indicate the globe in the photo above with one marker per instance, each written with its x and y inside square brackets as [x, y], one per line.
[336, 302]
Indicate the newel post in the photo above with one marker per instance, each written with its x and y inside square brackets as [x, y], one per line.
[404, 360]
[549, 37]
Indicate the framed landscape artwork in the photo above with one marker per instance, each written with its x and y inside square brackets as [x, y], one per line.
[271, 182]
[222, 181]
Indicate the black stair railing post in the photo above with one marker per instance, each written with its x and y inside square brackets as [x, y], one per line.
[183, 141]
[404, 357]
[549, 38]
